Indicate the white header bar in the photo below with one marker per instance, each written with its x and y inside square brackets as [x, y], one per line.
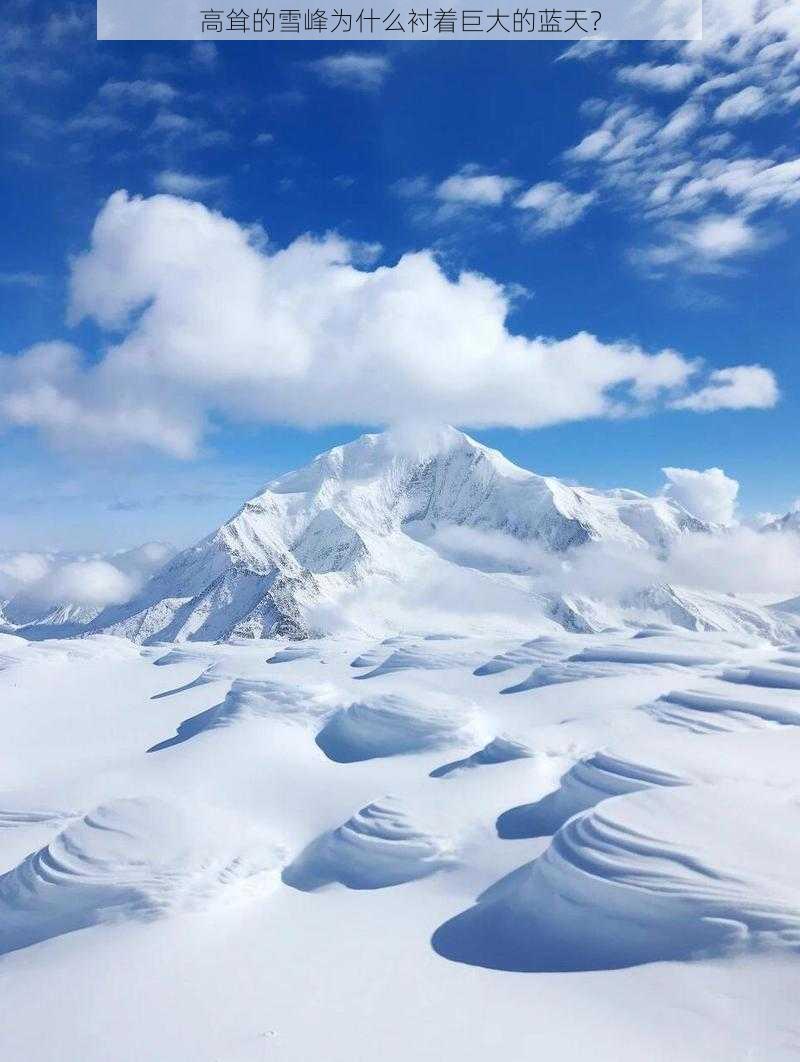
[197, 20]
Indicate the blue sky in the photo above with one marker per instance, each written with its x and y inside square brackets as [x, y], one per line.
[628, 193]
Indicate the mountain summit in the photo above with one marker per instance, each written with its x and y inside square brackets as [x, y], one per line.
[370, 512]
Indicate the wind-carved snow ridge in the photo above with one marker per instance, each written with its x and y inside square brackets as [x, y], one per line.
[12, 818]
[258, 698]
[132, 858]
[597, 778]
[390, 725]
[293, 652]
[423, 658]
[381, 845]
[608, 661]
[563, 672]
[501, 749]
[702, 712]
[781, 678]
[628, 654]
[652, 876]
[536, 651]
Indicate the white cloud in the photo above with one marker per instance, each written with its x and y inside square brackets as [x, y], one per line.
[593, 146]
[683, 121]
[704, 246]
[359, 70]
[743, 67]
[740, 387]
[742, 560]
[36, 582]
[92, 583]
[137, 92]
[721, 236]
[185, 184]
[746, 103]
[469, 186]
[709, 495]
[263, 140]
[204, 54]
[21, 569]
[553, 206]
[589, 49]
[207, 321]
[666, 77]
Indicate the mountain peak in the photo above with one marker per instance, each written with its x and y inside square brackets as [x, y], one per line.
[374, 513]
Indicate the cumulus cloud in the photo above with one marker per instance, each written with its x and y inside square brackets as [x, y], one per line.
[359, 70]
[207, 319]
[475, 188]
[709, 495]
[35, 583]
[740, 387]
[552, 206]
[91, 583]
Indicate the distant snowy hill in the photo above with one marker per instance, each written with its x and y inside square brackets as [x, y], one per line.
[789, 522]
[67, 592]
[368, 514]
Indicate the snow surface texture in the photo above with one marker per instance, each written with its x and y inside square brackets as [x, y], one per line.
[581, 856]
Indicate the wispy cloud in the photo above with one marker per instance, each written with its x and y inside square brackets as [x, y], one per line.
[550, 206]
[189, 185]
[138, 93]
[663, 77]
[470, 186]
[365, 71]
[22, 280]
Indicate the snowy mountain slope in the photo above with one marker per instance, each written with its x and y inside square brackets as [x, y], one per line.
[789, 522]
[365, 513]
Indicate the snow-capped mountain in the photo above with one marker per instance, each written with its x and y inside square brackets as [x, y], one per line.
[789, 522]
[369, 512]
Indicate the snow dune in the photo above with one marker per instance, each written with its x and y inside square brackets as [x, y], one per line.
[501, 749]
[390, 725]
[587, 783]
[380, 845]
[293, 652]
[254, 698]
[564, 672]
[704, 712]
[668, 873]
[782, 678]
[131, 858]
[421, 657]
[533, 652]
